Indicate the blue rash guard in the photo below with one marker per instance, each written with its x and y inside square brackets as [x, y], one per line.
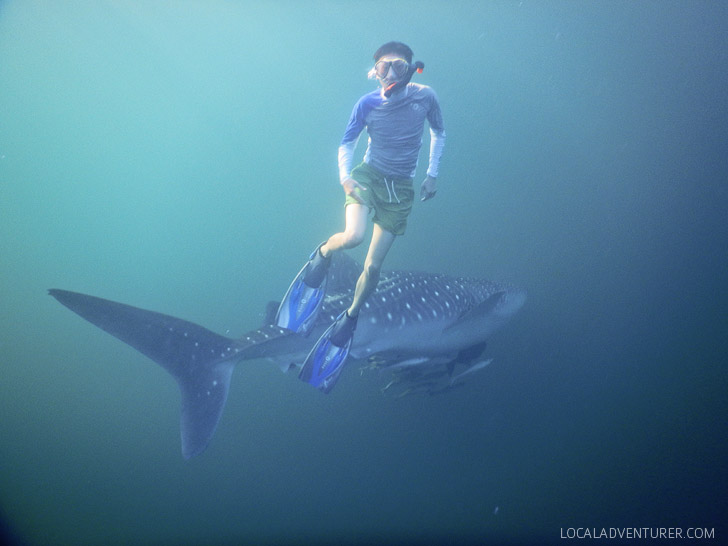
[395, 127]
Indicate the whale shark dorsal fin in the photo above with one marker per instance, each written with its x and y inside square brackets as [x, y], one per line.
[479, 310]
[271, 310]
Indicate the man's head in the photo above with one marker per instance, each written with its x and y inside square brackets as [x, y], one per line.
[391, 62]
[397, 49]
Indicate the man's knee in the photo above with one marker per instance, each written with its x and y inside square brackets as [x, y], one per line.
[372, 272]
[352, 238]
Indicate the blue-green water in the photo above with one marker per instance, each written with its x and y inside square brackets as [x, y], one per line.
[181, 157]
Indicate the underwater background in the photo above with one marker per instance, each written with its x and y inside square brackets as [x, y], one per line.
[181, 157]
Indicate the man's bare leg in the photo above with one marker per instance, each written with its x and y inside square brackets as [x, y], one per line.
[366, 284]
[353, 234]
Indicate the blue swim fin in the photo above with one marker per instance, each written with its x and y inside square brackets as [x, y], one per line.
[302, 302]
[326, 360]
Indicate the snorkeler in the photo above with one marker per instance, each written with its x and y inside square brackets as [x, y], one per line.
[394, 117]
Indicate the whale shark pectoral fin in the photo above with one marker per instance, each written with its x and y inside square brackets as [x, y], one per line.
[481, 310]
[467, 356]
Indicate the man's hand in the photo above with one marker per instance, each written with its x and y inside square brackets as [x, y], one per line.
[350, 186]
[428, 188]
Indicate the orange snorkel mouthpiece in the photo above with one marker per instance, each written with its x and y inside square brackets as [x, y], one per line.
[418, 67]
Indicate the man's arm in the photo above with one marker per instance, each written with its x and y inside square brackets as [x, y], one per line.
[437, 145]
[357, 122]
[346, 158]
[356, 125]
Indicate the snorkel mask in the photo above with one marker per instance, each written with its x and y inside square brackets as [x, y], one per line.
[402, 69]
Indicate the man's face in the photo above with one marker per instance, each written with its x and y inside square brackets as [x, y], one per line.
[390, 69]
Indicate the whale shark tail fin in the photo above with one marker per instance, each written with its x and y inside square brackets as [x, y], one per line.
[201, 361]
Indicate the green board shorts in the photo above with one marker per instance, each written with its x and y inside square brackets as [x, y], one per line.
[390, 198]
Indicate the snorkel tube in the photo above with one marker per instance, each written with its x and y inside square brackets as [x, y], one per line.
[417, 66]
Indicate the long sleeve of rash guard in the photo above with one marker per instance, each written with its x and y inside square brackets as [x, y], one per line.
[346, 158]
[437, 144]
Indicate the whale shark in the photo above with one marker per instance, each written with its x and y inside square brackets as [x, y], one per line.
[428, 330]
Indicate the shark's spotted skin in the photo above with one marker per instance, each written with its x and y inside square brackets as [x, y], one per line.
[419, 325]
